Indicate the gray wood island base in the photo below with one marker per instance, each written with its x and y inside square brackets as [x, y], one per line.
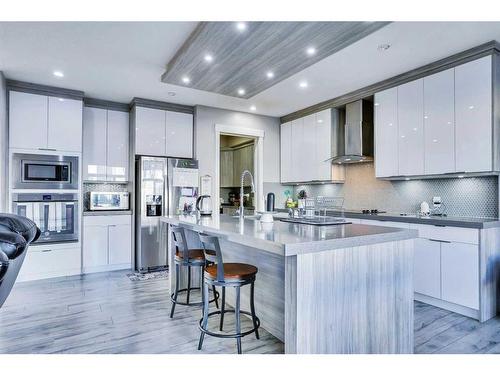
[332, 289]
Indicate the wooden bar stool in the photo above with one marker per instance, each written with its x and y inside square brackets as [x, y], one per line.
[185, 257]
[222, 274]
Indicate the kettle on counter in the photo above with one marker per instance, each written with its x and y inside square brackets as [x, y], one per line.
[204, 205]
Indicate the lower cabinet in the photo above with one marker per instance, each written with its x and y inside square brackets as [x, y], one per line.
[107, 243]
[43, 262]
[427, 267]
[460, 274]
[446, 264]
[445, 269]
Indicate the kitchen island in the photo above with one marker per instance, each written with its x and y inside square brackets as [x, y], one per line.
[331, 289]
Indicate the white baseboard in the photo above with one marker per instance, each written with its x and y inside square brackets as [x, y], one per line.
[462, 310]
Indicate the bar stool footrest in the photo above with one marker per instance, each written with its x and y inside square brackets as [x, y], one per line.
[229, 335]
[196, 303]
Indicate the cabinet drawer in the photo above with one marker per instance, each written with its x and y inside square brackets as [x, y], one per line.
[107, 220]
[383, 223]
[40, 264]
[449, 234]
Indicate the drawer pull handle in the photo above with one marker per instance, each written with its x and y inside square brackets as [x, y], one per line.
[47, 149]
[431, 239]
[46, 251]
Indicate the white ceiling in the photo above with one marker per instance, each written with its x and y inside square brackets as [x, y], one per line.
[118, 61]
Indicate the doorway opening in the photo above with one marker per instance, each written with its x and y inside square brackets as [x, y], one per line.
[237, 150]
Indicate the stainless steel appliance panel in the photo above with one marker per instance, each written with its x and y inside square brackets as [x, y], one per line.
[55, 214]
[35, 171]
[150, 205]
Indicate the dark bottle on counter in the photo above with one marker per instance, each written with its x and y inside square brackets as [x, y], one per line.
[270, 202]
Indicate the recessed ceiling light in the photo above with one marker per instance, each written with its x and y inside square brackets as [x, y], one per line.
[311, 51]
[253, 108]
[186, 80]
[383, 47]
[407, 179]
[208, 58]
[241, 26]
[241, 91]
[461, 176]
[270, 75]
[58, 73]
[303, 84]
[171, 93]
[320, 121]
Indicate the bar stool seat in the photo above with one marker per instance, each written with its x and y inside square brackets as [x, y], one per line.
[240, 271]
[193, 254]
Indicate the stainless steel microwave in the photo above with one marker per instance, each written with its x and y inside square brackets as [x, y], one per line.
[33, 171]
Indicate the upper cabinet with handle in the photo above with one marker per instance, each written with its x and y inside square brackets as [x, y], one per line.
[163, 133]
[444, 123]
[40, 122]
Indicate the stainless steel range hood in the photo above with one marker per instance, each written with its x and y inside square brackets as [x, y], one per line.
[354, 140]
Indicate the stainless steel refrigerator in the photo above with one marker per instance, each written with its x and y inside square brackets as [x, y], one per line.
[164, 186]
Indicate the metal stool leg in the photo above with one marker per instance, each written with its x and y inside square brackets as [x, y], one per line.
[222, 307]
[189, 284]
[205, 314]
[215, 296]
[252, 310]
[238, 322]
[177, 269]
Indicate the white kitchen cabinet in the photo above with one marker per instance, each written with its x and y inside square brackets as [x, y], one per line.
[105, 145]
[163, 133]
[117, 146]
[27, 120]
[286, 152]
[107, 243]
[386, 133]
[439, 122]
[323, 145]
[179, 134]
[94, 144]
[308, 164]
[426, 267]
[65, 124]
[411, 128]
[40, 122]
[473, 116]
[43, 262]
[460, 273]
[298, 158]
[150, 132]
[120, 244]
[95, 249]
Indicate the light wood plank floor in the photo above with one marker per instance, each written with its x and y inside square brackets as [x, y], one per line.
[108, 313]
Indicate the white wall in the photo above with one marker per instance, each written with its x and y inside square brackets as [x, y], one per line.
[3, 144]
[207, 117]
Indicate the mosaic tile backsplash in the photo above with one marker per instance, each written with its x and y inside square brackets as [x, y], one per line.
[467, 197]
[88, 187]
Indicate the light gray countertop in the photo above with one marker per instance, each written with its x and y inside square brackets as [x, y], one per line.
[451, 221]
[287, 238]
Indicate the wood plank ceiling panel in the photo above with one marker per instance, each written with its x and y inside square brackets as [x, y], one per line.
[241, 59]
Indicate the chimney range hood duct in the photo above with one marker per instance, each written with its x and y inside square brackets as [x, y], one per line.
[354, 141]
